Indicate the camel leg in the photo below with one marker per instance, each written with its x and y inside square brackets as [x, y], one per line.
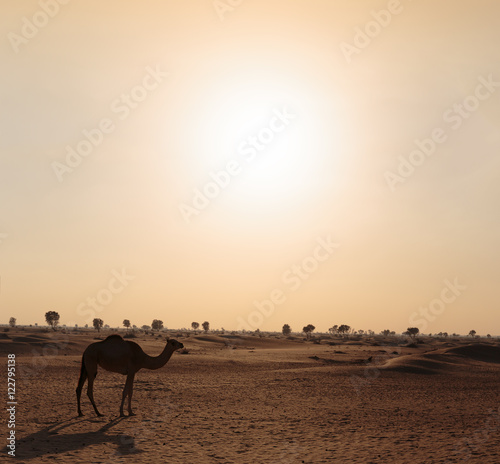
[90, 390]
[130, 391]
[81, 382]
[127, 391]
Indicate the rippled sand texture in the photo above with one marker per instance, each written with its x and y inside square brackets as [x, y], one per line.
[246, 399]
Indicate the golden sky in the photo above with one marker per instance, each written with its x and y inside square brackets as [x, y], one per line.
[251, 163]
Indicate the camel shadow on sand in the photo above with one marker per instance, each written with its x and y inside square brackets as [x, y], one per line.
[52, 440]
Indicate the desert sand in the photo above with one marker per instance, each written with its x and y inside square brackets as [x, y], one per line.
[271, 399]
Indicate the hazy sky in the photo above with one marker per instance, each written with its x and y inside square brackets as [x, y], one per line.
[189, 160]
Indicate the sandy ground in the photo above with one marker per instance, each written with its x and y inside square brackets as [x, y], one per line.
[252, 400]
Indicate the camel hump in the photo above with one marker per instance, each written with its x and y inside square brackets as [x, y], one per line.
[114, 337]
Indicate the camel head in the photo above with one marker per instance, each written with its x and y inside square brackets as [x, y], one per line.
[175, 344]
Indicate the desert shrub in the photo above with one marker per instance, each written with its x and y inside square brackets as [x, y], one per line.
[6, 329]
[52, 318]
[183, 351]
[130, 335]
[157, 324]
[411, 345]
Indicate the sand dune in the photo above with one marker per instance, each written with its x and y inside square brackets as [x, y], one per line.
[270, 400]
[446, 360]
[243, 341]
[478, 352]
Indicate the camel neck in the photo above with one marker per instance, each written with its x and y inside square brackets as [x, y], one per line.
[155, 362]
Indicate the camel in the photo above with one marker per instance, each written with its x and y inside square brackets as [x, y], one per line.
[115, 354]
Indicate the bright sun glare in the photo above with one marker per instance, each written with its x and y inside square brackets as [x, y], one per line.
[273, 131]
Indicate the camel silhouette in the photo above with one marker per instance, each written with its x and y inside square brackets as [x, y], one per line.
[115, 354]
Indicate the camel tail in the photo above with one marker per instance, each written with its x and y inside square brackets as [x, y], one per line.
[83, 376]
[81, 381]
[83, 371]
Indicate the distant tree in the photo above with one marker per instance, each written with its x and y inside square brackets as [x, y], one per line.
[386, 332]
[344, 329]
[97, 323]
[361, 332]
[371, 333]
[445, 334]
[52, 318]
[488, 336]
[286, 330]
[12, 321]
[412, 332]
[472, 333]
[195, 325]
[126, 324]
[145, 327]
[308, 330]
[206, 326]
[334, 330]
[157, 324]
